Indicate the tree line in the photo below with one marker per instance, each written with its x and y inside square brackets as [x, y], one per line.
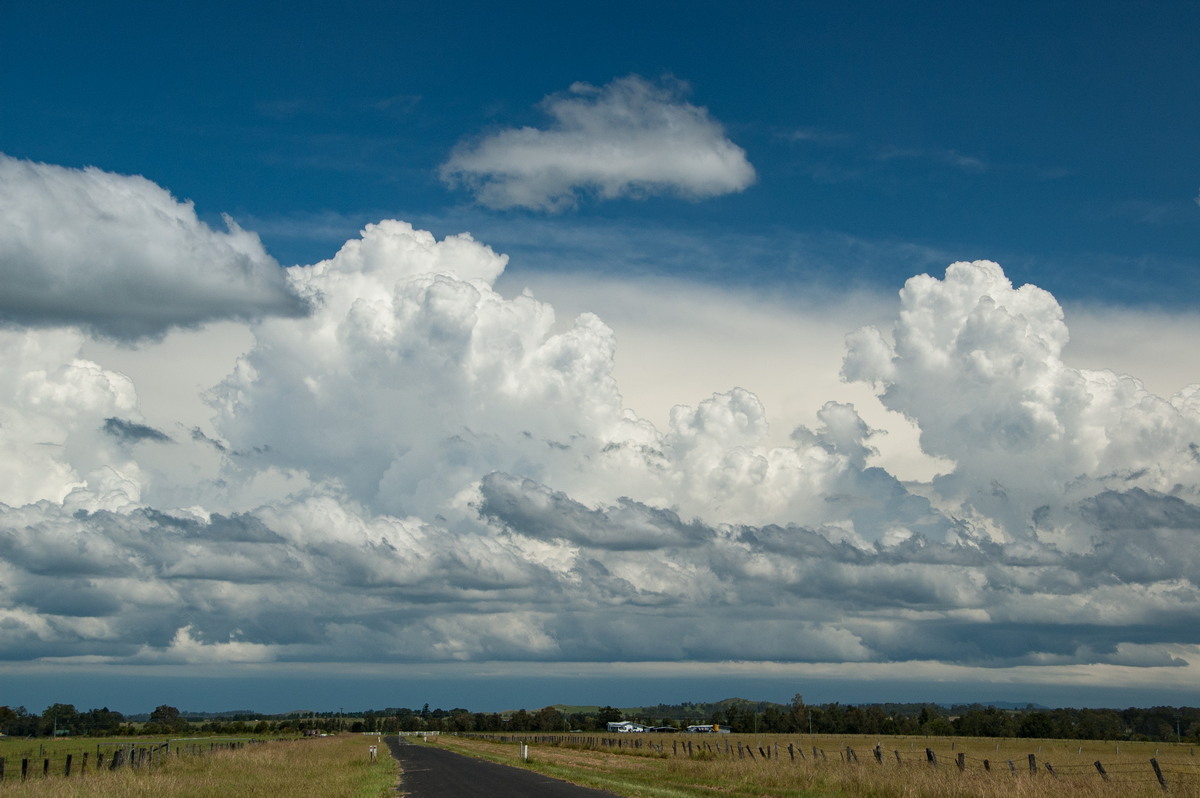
[1166, 724]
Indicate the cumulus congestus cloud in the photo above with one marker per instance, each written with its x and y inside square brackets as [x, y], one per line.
[118, 255]
[629, 138]
[978, 365]
[421, 468]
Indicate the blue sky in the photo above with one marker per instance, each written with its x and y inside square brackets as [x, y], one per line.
[1049, 138]
[333, 446]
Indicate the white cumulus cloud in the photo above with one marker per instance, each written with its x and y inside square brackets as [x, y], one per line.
[977, 364]
[422, 468]
[628, 138]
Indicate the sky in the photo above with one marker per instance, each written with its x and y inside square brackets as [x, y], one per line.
[501, 355]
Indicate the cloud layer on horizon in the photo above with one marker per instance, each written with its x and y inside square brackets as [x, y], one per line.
[422, 469]
[629, 138]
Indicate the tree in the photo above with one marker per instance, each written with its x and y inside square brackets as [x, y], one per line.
[989, 722]
[166, 719]
[798, 715]
[60, 719]
[100, 721]
[1037, 724]
[18, 722]
[461, 720]
[547, 719]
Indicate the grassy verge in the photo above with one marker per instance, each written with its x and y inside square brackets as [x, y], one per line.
[311, 768]
[835, 773]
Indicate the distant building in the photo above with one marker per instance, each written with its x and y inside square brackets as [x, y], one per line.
[707, 728]
[625, 726]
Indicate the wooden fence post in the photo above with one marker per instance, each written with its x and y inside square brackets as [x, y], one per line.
[879, 753]
[24, 768]
[931, 757]
[45, 767]
[67, 769]
[987, 766]
[1, 770]
[1051, 769]
[1100, 768]
[899, 761]
[1158, 774]
[792, 752]
[1032, 765]
[961, 761]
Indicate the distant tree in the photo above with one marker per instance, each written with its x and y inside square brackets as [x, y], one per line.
[461, 720]
[166, 719]
[7, 716]
[1037, 724]
[773, 721]
[797, 715]
[61, 719]
[20, 723]
[608, 715]
[547, 719]
[989, 722]
[1100, 724]
[100, 721]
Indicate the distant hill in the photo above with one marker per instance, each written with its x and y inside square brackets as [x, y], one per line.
[703, 710]
[998, 705]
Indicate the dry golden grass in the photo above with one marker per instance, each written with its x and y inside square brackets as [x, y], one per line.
[311, 768]
[642, 772]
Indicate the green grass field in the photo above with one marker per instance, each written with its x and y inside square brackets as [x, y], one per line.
[649, 766]
[298, 768]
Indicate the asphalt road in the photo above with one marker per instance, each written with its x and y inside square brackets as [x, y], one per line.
[432, 772]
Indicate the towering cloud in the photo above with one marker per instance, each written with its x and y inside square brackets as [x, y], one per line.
[977, 364]
[628, 138]
[421, 468]
[122, 257]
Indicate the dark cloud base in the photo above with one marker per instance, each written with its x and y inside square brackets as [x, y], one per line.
[628, 582]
